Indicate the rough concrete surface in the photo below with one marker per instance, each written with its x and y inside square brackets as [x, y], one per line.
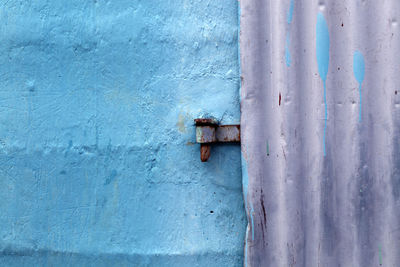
[98, 164]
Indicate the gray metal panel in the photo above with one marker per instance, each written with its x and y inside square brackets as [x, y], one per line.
[305, 208]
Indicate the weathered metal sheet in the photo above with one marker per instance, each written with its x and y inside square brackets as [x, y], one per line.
[228, 133]
[205, 134]
[320, 132]
[209, 131]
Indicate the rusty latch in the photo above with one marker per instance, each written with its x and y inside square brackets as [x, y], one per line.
[208, 131]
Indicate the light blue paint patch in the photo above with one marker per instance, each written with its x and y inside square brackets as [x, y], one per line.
[290, 12]
[245, 180]
[287, 50]
[359, 72]
[322, 45]
[358, 66]
[78, 160]
[287, 43]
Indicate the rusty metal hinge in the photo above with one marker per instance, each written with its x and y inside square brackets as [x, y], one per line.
[208, 131]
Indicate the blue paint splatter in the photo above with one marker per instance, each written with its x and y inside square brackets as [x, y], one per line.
[245, 180]
[287, 43]
[322, 45]
[287, 51]
[290, 12]
[359, 71]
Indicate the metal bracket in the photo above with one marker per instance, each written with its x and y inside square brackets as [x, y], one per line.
[208, 131]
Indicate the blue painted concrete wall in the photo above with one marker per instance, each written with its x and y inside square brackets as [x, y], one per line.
[97, 160]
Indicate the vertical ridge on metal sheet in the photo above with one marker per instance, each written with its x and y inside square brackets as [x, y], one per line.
[305, 208]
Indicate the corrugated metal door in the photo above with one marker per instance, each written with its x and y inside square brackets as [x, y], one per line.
[320, 132]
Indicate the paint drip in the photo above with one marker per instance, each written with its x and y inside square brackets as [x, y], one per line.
[359, 72]
[289, 17]
[322, 44]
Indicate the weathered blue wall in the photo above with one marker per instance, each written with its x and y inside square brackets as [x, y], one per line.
[97, 160]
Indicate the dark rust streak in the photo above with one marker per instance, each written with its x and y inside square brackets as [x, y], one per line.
[283, 152]
[263, 208]
[280, 98]
[206, 121]
[263, 235]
